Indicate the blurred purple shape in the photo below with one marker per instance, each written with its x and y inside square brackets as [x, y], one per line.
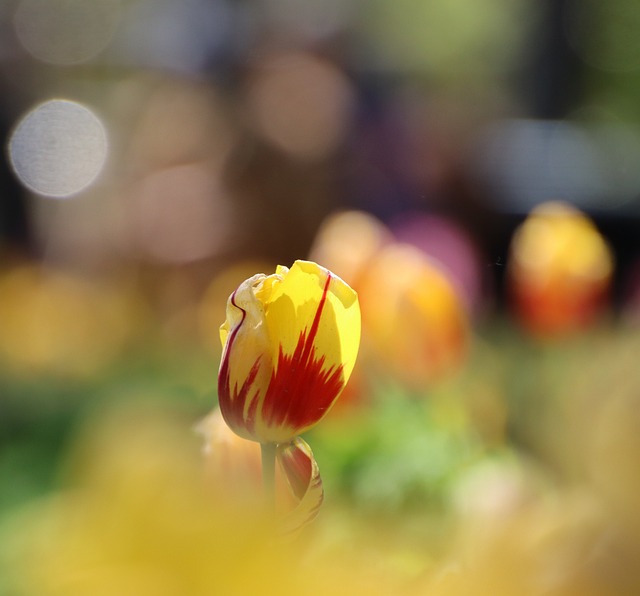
[447, 243]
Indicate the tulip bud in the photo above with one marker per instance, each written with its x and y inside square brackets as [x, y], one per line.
[290, 342]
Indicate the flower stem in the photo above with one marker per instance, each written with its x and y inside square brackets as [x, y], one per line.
[268, 451]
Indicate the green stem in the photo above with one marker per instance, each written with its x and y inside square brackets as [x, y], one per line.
[268, 451]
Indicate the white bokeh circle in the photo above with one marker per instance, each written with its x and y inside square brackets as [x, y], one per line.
[58, 149]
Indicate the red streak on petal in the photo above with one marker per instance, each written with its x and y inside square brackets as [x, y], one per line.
[301, 389]
[232, 400]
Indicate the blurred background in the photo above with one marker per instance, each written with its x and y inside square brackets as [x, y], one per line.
[471, 168]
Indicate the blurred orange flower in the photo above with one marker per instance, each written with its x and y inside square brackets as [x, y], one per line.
[347, 241]
[415, 322]
[412, 316]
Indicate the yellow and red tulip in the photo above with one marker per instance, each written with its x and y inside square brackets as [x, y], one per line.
[290, 343]
[560, 270]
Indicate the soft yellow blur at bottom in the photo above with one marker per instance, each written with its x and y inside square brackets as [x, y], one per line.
[141, 519]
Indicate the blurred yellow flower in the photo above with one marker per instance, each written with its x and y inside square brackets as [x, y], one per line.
[55, 322]
[559, 271]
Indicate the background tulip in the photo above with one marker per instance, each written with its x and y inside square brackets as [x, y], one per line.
[413, 317]
[348, 241]
[157, 154]
[560, 270]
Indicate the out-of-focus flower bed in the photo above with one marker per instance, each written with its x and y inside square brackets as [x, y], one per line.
[471, 168]
[511, 470]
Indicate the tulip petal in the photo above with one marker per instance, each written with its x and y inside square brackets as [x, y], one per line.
[315, 318]
[244, 368]
[307, 292]
[302, 473]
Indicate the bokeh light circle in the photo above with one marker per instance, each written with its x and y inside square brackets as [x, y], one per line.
[58, 148]
[301, 104]
[66, 32]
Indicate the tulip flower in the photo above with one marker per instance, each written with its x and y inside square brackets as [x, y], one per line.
[415, 321]
[560, 271]
[290, 342]
[289, 345]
